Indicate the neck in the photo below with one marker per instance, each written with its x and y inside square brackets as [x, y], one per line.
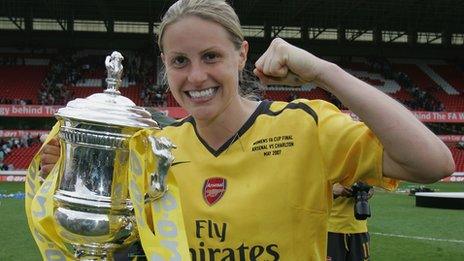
[217, 131]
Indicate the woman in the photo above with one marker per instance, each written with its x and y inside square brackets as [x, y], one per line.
[256, 177]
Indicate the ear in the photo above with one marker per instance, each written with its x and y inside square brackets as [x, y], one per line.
[243, 55]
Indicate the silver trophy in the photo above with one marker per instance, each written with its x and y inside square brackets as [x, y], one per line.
[93, 212]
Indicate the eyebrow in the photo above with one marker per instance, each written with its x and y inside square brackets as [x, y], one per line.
[202, 52]
[209, 49]
[176, 53]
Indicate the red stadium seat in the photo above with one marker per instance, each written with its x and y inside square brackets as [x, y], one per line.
[423, 81]
[22, 82]
[458, 155]
[22, 157]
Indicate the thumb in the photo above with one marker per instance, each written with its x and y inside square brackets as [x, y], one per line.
[264, 79]
[54, 142]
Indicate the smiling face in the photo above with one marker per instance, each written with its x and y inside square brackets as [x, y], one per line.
[202, 66]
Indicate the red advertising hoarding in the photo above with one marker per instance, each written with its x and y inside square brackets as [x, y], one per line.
[28, 110]
[12, 178]
[21, 133]
[49, 111]
[178, 112]
[430, 116]
[451, 138]
[456, 177]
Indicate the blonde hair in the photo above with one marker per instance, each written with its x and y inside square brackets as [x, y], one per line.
[218, 11]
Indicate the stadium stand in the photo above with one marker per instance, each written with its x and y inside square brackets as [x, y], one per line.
[21, 82]
[444, 85]
[458, 155]
[20, 158]
[28, 81]
[418, 77]
[405, 81]
[451, 102]
[451, 74]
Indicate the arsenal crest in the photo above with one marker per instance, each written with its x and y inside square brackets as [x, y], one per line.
[214, 189]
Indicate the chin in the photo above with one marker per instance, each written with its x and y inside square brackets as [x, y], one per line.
[202, 116]
[199, 111]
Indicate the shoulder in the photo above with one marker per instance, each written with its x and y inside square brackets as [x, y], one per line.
[315, 109]
[181, 123]
[179, 127]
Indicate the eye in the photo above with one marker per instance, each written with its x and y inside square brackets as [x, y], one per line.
[179, 61]
[210, 57]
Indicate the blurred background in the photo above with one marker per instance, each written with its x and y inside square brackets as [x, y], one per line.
[53, 51]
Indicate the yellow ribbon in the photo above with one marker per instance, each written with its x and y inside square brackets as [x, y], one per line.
[160, 224]
[39, 207]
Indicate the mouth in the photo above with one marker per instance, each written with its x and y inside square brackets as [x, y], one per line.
[202, 95]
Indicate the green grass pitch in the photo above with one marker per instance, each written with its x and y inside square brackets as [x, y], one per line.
[399, 230]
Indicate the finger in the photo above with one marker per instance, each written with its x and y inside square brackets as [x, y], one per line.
[262, 78]
[49, 159]
[265, 79]
[260, 62]
[277, 67]
[266, 65]
[46, 169]
[54, 141]
[51, 149]
[271, 67]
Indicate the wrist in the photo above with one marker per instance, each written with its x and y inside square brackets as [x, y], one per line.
[327, 72]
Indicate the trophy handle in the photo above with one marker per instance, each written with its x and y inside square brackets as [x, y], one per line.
[161, 147]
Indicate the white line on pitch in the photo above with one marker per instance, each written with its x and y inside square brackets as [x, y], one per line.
[419, 238]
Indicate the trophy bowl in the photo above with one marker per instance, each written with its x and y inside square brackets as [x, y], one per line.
[92, 209]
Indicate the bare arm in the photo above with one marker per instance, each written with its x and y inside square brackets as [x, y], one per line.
[411, 151]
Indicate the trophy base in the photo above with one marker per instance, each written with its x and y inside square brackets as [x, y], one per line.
[96, 234]
[93, 253]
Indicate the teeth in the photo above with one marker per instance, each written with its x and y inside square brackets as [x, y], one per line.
[202, 93]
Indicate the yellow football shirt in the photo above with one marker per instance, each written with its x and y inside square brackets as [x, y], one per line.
[342, 220]
[266, 194]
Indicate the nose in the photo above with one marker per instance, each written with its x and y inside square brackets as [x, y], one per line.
[197, 73]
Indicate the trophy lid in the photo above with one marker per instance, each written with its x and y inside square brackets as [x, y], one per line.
[109, 107]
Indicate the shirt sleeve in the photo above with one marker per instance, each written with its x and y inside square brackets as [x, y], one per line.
[350, 150]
